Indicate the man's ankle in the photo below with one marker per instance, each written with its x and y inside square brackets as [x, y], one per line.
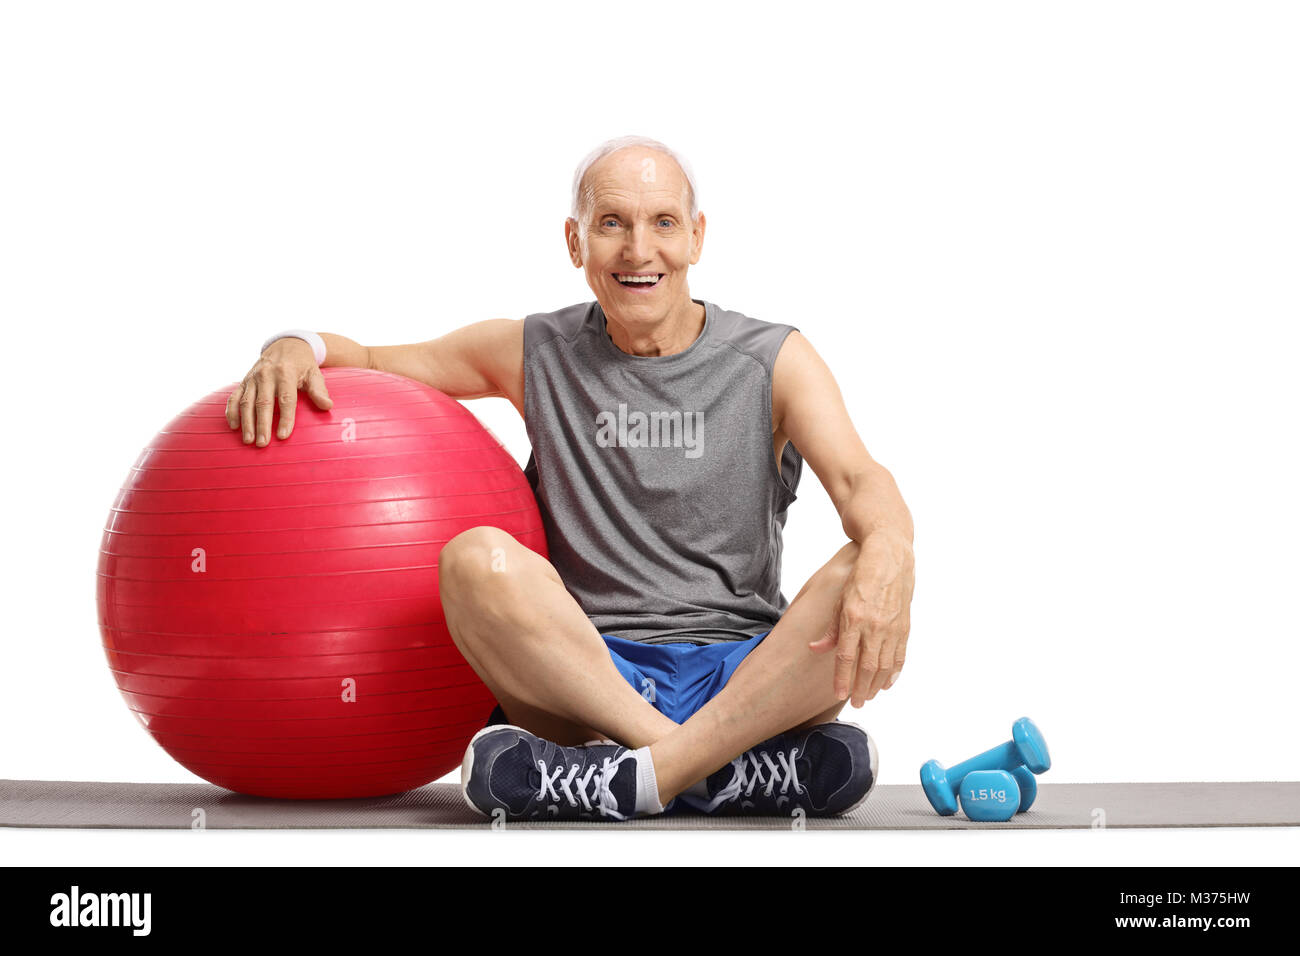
[648, 799]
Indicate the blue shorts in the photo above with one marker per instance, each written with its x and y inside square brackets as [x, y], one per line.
[679, 678]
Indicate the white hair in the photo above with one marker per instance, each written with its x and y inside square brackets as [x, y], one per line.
[623, 142]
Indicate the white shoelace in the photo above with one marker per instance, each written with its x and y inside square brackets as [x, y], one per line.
[750, 773]
[591, 789]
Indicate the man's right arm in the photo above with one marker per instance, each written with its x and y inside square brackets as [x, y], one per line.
[480, 360]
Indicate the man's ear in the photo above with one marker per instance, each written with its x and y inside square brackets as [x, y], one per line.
[573, 239]
[697, 238]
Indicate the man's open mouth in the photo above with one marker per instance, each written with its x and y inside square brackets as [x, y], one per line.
[638, 280]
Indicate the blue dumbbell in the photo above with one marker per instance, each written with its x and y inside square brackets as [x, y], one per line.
[1028, 787]
[1026, 748]
[990, 795]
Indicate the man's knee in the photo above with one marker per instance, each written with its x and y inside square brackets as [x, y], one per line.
[470, 550]
[475, 560]
[846, 558]
[834, 574]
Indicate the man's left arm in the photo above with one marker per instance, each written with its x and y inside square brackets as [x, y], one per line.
[869, 626]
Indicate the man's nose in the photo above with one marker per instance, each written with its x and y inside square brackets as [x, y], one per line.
[636, 246]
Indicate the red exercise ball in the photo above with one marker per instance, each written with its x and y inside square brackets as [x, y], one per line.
[271, 615]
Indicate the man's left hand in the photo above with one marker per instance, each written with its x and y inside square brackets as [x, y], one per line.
[871, 619]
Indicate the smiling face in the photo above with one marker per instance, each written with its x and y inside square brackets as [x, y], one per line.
[636, 239]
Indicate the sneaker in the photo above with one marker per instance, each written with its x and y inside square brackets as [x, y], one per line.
[508, 769]
[827, 770]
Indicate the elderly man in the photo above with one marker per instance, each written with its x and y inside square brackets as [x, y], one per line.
[653, 662]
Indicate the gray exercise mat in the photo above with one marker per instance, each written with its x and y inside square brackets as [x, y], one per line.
[65, 803]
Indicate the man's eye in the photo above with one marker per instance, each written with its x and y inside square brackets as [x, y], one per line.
[610, 222]
[666, 223]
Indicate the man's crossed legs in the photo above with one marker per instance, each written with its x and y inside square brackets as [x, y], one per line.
[579, 728]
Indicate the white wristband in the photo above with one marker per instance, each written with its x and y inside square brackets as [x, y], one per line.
[311, 338]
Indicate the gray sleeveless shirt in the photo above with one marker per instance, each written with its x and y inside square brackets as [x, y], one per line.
[655, 477]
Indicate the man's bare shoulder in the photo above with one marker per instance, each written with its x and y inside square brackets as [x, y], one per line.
[499, 350]
[798, 367]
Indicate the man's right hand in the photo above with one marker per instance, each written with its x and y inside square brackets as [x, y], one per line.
[287, 365]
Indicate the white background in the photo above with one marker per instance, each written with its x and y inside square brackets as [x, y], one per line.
[1049, 251]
